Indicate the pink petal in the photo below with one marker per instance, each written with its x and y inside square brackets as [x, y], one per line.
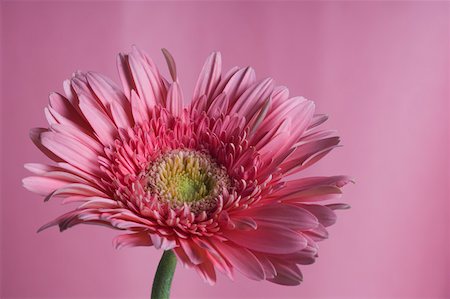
[250, 101]
[93, 179]
[51, 119]
[207, 272]
[81, 87]
[97, 202]
[77, 190]
[35, 136]
[287, 274]
[276, 142]
[280, 112]
[269, 269]
[79, 136]
[305, 183]
[269, 238]
[138, 109]
[298, 110]
[307, 154]
[194, 252]
[199, 105]
[175, 99]
[70, 92]
[161, 242]
[125, 74]
[318, 193]
[317, 120]
[170, 64]
[218, 106]
[312, 188]
[215, 257]
[105, 89]
[237, 84]
[73, 218]
[279, 96]
[42, 185]
[131, 240]
[243, 260]
[54, 118]
[71, 151]
[306, 256]
[244, 223]
[338, 206]
[209, 77]
[122, 116]
[39, 169]
[103, 126]
[260, 116]
[325, 215]
[318, 233]
[284, 215]
[146, 78]
[62, 175]
[301, 117]
[65, 108]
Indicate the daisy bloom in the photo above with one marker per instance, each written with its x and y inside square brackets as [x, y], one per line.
[210, 183]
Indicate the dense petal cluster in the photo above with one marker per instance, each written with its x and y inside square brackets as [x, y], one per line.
[212, 180]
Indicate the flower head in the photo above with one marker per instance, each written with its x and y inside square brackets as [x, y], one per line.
[212, 180]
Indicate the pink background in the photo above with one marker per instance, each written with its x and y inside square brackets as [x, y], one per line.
[379, 69]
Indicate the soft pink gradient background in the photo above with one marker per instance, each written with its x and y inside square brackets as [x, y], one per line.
[379, 69]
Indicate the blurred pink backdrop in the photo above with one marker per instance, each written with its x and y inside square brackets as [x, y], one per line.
[379, 69]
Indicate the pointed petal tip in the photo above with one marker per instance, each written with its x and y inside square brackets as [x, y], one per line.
[170, 63]
[286, 282]
[52, 94]
[216, 55]
[43, 227]
[338, 206]
[49, 196]
[34, 133]
[135, 49]
[23, 181]
[77, 74]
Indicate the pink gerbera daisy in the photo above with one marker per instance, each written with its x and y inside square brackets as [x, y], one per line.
[211, 181]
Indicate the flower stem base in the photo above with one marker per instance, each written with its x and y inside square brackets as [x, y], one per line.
[164, 275]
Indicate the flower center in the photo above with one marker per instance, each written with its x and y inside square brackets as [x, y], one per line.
[186, 176]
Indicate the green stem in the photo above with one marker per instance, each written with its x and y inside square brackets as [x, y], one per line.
[164, 275]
